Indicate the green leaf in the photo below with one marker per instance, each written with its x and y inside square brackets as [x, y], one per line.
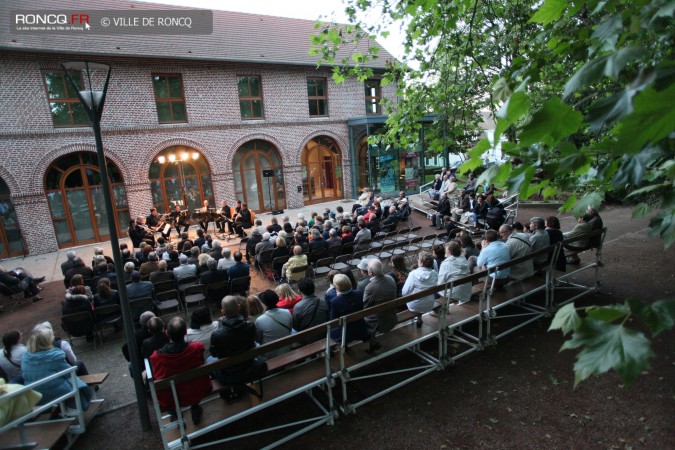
[642, 190]
[553, 122]
[664, 316]
[652, 119]
[550, 11]
[608, 313]
[607, 32]
[610, 109]
[566, 319]
[606, 346]
[666, 10]
[633, 167]
[609, 65]
[592, 199]
[640, 210]
[663, 226]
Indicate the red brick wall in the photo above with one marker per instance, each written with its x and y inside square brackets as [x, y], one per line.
[132, 136]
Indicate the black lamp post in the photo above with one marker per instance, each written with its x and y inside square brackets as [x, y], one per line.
[90, 81]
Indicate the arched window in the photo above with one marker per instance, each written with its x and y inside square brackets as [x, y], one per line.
[251, 163]
[10, 234]
[180, 175]
[321, 171]
[75, 196]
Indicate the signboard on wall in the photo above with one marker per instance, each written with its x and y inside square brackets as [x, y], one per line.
[387, 173]
[411, 170]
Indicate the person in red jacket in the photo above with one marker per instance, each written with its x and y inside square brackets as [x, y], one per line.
[175, 357]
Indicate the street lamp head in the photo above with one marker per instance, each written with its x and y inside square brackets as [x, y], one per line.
[90, 81]
[172, 158]
[161, 159]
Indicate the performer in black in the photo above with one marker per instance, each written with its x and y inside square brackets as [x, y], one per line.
[156, 224]
[205, 217]
[225, 217]
[179, 219]
[243, 220]
[139, 232]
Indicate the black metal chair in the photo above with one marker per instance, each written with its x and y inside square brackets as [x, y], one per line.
[168, 301]
[139, 305]
[109, 316]
[240, 285]
[194, 296]
[80, 324]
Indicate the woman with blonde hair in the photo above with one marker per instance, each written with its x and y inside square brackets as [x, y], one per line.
[287, 297]
[42, 360]
[254, 306]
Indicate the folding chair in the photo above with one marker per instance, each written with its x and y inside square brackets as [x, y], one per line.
[240, 285]
[341, 262]
[413, 232]
[428, 242]
[186, 282]
[215, 292]
[164, 286]
[139, 305]
[347, 249]
[168, 300]
[386, 253]
[194, 296]
[402, 235]
[109, 316]
[322, 267]
[390, 238]
[302, 269]
[80, 324]
[278, 264]
[264, 260]
[356, 259]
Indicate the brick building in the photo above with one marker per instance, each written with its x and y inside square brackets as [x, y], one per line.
[226, 106]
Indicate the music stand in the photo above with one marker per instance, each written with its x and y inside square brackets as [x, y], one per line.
[269, 174]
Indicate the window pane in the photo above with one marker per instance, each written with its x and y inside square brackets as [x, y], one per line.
[154, 170]
[100, 214]
[123, 218]
[172, 189]
[175, 86]
[79, 214]
[93, 177]
[156, 190]
[313, 110]
[114, 174]
[251, 185]
[56, 205]
[179, 111]
[163, 112]
[206, 186]
[170, 171]
[192, 193]
[80, 116]
[189, 170]
[54, 82]
[323, 111]
[60, 114]
[311, 88]
[62, 232]
[245, 107]
[77, 77]
[120, 197]
[254, 83]
[66, 162]
[159, 84]
[242, 86]
[257, 108]
[320, 88]
[74, 180]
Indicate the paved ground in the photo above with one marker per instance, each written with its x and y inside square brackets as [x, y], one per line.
[449, 410]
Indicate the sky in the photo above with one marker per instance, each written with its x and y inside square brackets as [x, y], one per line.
[299, 9]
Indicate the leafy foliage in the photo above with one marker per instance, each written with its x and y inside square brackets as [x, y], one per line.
[581, 90]
[608, 345]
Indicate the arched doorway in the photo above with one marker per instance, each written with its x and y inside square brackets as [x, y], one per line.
[321, 171]
[262, 193]
[10, 234]
[180, 175]
[75, 196]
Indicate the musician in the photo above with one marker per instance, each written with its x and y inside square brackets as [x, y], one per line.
[225, 217]
[179, 220]
[156, 224]
[205, 218]
[243, 220]
[139, 232]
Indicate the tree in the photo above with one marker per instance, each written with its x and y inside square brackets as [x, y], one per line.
[583, 92]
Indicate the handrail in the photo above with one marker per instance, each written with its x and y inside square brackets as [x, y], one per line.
[321, 328]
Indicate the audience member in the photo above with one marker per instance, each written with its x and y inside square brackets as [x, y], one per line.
[419, 279]
[240, 269]
[173, 358]
[140, 289]
[233, 337]
[273, 324]
[227, 260]
[185, 270]
[287, 297]
[42, 360]
[12, 354]
[201, 326]
[69, 263]
[539, 239]
[555, 236]
[380, 289]
[494, 253]
[518, 245]
[214, 274]
[399, 273]
[157, 339]
[296, 261]
[453, 267]
[310, 310]
[346, 302]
